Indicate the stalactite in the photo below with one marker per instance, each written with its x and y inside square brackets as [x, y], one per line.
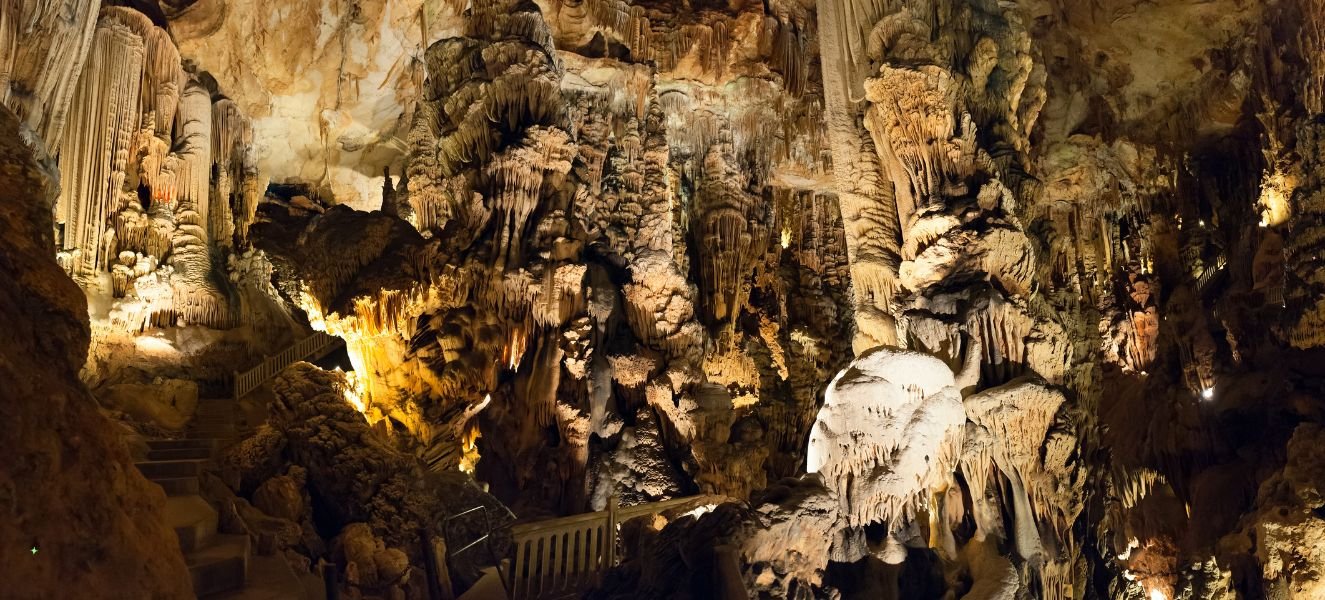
[734, 229]
[791, 56]
[517, 178]
[96, 145]
[231, 136]
[43, 46]
[1304, 280]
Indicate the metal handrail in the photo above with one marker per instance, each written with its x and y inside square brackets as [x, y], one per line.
[247, 381]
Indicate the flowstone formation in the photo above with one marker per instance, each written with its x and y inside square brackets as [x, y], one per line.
[157, 188]
[935, 298]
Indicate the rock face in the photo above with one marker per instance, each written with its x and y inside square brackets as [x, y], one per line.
[329, 86]
[82, 520]
[962, 298]
[1288, 528]
[369, 492]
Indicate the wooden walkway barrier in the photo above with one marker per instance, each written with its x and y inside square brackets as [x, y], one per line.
[247, 381]
[561, 557]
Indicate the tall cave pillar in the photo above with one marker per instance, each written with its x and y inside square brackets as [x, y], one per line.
[869, 214]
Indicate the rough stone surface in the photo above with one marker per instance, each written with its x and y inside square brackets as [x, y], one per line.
[81, 520]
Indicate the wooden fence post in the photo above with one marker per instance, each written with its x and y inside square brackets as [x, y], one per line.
[330, 585]
[727, 573]
[610, 536]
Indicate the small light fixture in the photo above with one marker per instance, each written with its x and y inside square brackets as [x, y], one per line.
[1208, 393]
[33, 550]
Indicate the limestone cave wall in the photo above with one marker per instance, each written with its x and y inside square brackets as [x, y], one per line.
[946, 298]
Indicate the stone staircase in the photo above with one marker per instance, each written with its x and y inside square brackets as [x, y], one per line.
[224, 566]
[217, 562]
[215, 419]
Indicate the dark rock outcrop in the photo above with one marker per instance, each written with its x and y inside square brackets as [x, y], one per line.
[80, 521]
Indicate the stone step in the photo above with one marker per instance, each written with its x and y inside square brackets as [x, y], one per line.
[271, 578]
[220, 567]
[177, 444]
[223, 435]
[213, 416]
[213, 419]
[193, 519]
[166, 469]
[179, 486]
[179, 453]
[213, 424]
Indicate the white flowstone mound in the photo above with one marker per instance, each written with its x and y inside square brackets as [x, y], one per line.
[890, 430]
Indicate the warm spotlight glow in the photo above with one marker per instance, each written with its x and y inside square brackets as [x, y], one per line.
[1276, 189]
[469, 444]
[353, 393]
[699, 511]
[155, 346]
[786, 238]
[1157, 594]
[515, 349]
[1208, 393]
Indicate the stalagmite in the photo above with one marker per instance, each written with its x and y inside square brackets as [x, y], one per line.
[868, 208]
[231, 136]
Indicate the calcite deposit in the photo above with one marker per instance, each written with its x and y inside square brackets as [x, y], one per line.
[927, 298]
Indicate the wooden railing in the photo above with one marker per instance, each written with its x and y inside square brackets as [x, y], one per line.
[1274, 296]
[560, 557]
[249, 380]
[1209, 274]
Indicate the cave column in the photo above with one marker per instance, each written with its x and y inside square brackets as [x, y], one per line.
[1304, 280]
[868, 209]
[103, 118]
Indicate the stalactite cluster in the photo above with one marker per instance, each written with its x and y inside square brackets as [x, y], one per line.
[137, 199]
[934, 298]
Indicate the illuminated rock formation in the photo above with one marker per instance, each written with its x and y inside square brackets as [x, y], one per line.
[889, 433]
[964, 298]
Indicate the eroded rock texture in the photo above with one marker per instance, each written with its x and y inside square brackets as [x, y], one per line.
[594, 259]
[80, 517]
[947, 298]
